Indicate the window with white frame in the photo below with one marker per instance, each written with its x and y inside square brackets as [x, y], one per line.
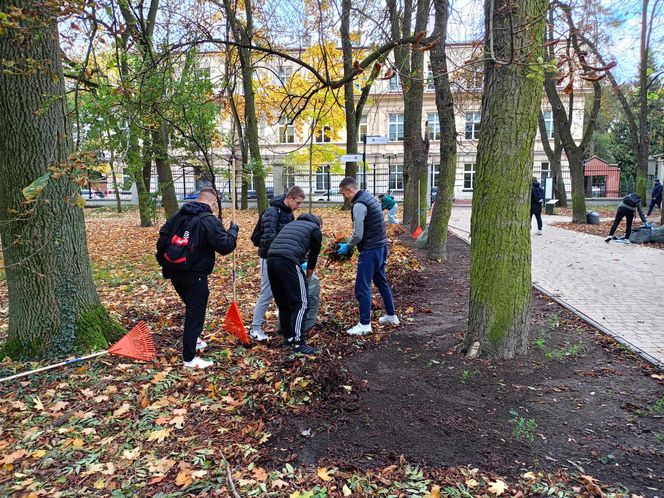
[395, 83]
[468, 176]
[545, 171]
[288, 177]
[395, 128]
[429, 83]
[548, 123]
[283, 75]
[286, 131]
[395, 177]
[435, 174]
[323, 135]
[323, 179]
[473, 125]
[362, 130]
[433, 126]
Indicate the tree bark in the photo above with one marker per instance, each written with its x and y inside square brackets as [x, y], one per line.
[160, 141]
[440, 217]
[349, 91]
[500, 280]
[53, 305]
[554, 155]
[644, 135]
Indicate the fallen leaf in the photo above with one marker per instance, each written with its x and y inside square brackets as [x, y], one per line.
[278, 483]
[159, 435]
[434, 493]
[322, 473]
[38, 405]
[12, 457]
[497, 488]
[58, 407]
[178, 421]
[39, 454]
[347, 492]
[124, 408]
[184, 478]
[131, 454]
[260, 474]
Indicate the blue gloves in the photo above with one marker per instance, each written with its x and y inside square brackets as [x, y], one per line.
[647, 224]
[344, 249]
[304, 266]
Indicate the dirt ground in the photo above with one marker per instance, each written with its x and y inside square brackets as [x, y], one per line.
[577, 402]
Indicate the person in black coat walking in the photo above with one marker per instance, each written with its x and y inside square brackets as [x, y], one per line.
[274, 218]
[536, 201]
[656, 198]
[194, 234]
[298, 242]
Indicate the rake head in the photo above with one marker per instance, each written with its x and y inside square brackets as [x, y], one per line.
[136, 344]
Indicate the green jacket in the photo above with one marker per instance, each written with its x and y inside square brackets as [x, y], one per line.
[387, 202]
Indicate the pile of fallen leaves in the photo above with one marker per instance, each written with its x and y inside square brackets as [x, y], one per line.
[113, 427]
[602, 230]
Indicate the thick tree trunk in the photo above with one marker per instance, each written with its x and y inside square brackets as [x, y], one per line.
[575, 160]
[169, 200]
[644, 135]
[500, 280]
[53, 305]
[440, 217]
[349, 93]
[553, 155]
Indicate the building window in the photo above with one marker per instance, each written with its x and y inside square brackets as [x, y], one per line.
[435, 174]
[323, 179]
[286, 132]
[433, 126]
[545, 171]
[288, 177]
[395, 83]
[283, 75]
[548, 123]
[429, 83]
[395, 129]
[396, 177]
[468, 176]
[473, 125]
[362, 130]
[323, 135]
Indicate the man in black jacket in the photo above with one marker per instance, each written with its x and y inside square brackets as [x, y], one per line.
[628, 207]
[370, 238]
[656, 199]
[536, 201]
[274, 218]
[196, 233]
[298, 242]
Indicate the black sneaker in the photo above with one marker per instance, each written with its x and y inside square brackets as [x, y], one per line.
[303, 348]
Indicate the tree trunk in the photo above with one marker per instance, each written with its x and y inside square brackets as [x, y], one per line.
[349, 93]
[136, 165]
[644, 135]
[553, 155]
[53, 305]
[500, 281]
[578, 178]
[169, 200]
[440, 217]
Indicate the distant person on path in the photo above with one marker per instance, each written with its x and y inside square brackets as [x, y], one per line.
[299, 242]
[387, 203]
[274, 218]
[536, 201]
[185, 251]
[629, 205]
[370, 238]
[656, 198]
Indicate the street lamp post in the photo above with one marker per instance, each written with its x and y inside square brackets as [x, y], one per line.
[389, 158]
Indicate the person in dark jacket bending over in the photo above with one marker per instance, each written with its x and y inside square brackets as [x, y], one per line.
[205, 235]
[387, 203]
[370, 238]
[274, 218]
[536, 201]
[629, 205]
[656, 199]
[298, 242]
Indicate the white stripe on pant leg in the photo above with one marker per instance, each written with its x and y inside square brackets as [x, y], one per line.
[303, 309]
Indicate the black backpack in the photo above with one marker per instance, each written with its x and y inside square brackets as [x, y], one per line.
[178, 248]
[258, 229]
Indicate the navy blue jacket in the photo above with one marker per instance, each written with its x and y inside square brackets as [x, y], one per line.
[657, 192]
[273, 219]
[299, 241]
[374, 223]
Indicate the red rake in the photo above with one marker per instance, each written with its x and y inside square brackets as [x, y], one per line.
[233, 321]
[136, 344]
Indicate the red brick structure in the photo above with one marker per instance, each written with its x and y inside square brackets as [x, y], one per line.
[601, 178]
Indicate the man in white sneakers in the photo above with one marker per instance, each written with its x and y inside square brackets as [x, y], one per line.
[371, 241]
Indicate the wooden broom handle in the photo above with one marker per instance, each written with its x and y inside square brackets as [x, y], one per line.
[233, 194]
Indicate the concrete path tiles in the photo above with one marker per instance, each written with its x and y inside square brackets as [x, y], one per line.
[618, 288]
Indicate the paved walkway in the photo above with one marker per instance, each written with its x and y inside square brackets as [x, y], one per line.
[618, 288]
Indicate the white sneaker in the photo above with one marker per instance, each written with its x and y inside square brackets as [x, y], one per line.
[359, 329]
[198, 363]
[389, 320]
[257, 335]
[201, 344]
[626, 241]
[539, 232]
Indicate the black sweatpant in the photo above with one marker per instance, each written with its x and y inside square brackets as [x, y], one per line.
[626, 213]
[289, 288]
[193, 290]
[536, 209]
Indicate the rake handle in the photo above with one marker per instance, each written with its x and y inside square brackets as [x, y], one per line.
[233, 196]
[51, 367]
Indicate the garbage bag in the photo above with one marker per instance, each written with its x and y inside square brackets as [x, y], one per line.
[657, 234]
[592, 218]
[641, 236]
[422, 239]
[313, 303]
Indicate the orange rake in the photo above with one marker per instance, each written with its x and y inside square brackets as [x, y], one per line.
[136, 344]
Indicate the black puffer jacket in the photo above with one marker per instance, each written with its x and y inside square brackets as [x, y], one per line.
[273, 219]
[374, 223]
[207, 236]
[299, 241]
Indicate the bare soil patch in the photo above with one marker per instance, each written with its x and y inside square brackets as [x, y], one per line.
[577, 403]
